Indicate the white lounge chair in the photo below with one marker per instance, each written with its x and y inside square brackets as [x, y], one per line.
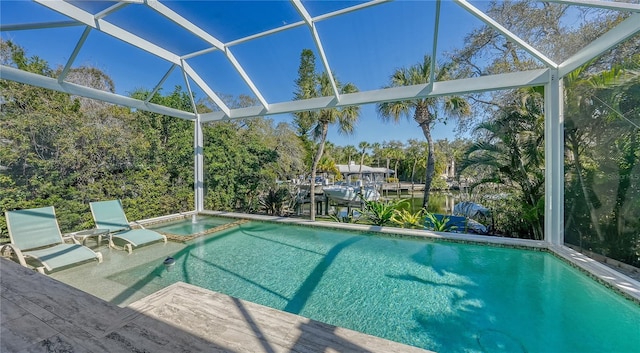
[35, 235]
[110, 215]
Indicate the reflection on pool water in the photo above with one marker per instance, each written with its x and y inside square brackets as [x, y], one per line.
[442, 296]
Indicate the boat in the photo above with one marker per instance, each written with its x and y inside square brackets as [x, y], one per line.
[346, 192]
[369, 181]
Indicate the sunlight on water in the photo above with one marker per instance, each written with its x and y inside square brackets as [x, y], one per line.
[440, 296]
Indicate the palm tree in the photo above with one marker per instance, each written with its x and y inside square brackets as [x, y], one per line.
[364, 146]
[349, 151]
[512, 152]
[376, 147]
[328, 165]
[416, 152]
[394, 150]
[345, 117]
[423, 110]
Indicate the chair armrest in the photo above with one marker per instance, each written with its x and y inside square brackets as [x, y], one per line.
[16, 252]
[71, 236]
[138, 224]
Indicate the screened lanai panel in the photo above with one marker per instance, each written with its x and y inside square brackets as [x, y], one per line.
[42, 42]
[20, 12]
[552, 28]
[602, 162]
[317, 8]
[364, 50]
[232, 20]
[92, 6]
[272, 61]
[455, 23]
[141, 71]
[219, 74]
[479, 48]
[157, 29]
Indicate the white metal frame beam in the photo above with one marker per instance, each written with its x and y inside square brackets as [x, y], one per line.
[127, 37]
[13, 74]
[626, 29]
[40, 25]
[498, 27]
[217, 44]
[554, 159]
[537, 77]
[316, 39]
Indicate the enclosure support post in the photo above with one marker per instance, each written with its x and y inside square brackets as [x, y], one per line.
[554, 159]
[198, 142]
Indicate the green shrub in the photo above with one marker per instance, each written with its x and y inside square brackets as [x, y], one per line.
[439, 224]
[405, 219]
[380, 213]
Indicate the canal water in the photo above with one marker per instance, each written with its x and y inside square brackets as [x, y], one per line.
[439, 201]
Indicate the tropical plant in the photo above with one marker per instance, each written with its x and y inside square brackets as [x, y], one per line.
[407, 219]
[276, 201]
[439, 224]
[328, 165]
[511, 154]
[364, 146]
[416, 153]
[348, 152]
[380, 213]
[424, 110]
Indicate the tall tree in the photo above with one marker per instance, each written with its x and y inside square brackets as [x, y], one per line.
[376, 147]
[424, 111]
[349, 151]
[306, 88]
[416, 151]
[344, 117]
[364, 146]
[311, 85]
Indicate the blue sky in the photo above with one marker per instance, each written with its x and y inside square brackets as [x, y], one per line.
[363, 47]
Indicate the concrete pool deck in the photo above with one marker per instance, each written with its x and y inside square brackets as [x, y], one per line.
[41, 314]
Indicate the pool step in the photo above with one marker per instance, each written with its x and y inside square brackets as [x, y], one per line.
[184, 239]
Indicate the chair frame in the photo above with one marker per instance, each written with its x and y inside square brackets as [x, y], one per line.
[113, 233]
[22, 255]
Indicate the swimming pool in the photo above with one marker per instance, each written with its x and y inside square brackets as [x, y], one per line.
[442, 296]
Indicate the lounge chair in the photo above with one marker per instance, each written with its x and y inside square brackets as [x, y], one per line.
[35, 235]
[110, 215]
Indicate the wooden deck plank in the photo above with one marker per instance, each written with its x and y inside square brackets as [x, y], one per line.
[41, 314]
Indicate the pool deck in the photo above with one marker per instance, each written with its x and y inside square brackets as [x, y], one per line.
[42, 314]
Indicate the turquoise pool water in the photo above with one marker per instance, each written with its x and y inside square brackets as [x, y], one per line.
[187, 226]
[445, 297]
